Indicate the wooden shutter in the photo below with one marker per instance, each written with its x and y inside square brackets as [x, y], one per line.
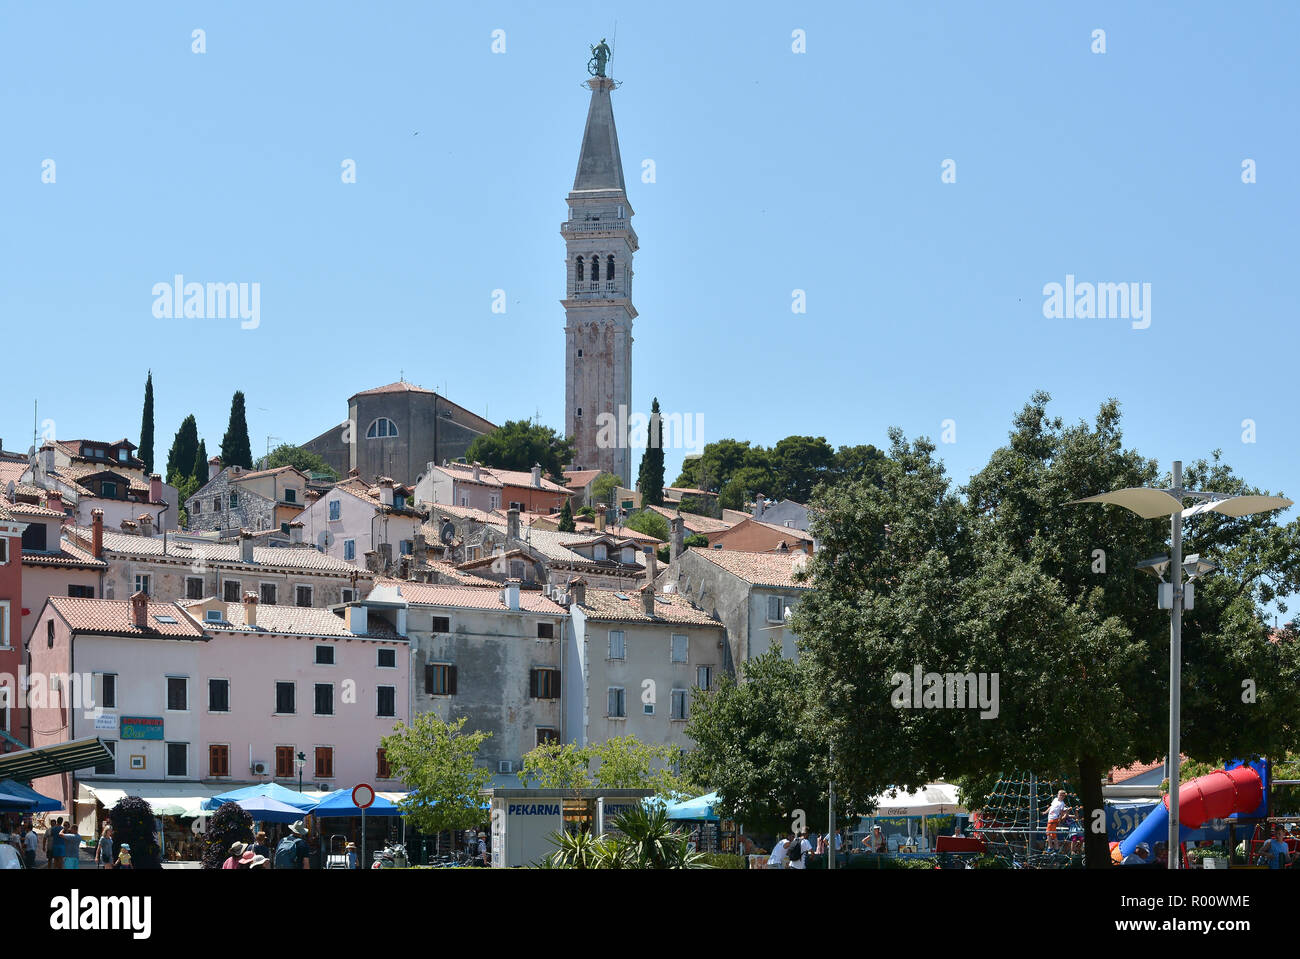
[534, 683]
[451, 680]
[428, 679]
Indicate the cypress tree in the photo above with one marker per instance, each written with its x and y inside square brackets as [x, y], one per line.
[200, 472]
[146, 426]
[566, 518]
[235, 447]
[650, 478]
[184, 448]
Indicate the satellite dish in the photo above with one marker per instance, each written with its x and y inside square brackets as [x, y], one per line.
[9, 491]
[447, 534]
[325, 539]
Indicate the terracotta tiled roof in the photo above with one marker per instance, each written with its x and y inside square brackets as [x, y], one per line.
[292, 620]
[459, 512]
[460, 576]
[271, 472]
[576, 479]
[789, 531]
[70, 555]
[471, 597]
[688, 491]
[1118, 775]
[401, 386]
[282, 557]
[758, 569]
[33, 511]
[491, 476]
[605, 605]
[558, 547]
[113, 617]
[694, 522]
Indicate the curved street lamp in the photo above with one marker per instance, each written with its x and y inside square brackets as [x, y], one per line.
[1153, 504]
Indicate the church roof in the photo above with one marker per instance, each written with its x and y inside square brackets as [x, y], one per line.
[600, 167]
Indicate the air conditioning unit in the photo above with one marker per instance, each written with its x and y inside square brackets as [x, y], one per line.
[506, 766]
[258, 767]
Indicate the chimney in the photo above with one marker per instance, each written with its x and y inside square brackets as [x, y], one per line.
[295, 533]
[214, 467]
[140, 611]
[420, 548]
[357, 618]
[146, 524]
[512, 523]
[600, 520]
[129, 527]
[578, 590]
[537, 475]
[155, 488]
[758, 506]
[373, 561]
[648, 599]
[510, 595]
[47, 459]
[676, 539]
[651, 565]
[385, 491]
[477, 469]
[54, 500]
[97, 533]
[250, 608]
[246, 546]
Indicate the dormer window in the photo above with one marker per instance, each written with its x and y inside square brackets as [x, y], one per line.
[599, 552]
[629, 555]
[121, 456]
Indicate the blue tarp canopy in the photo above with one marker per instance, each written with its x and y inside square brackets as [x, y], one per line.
[266, 809]
[339, 803]
[269, 790]
[701, 807]
[16, 797]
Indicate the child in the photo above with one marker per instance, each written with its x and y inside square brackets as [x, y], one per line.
[124, 856]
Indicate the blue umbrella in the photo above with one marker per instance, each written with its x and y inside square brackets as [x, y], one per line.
[266, 809]
[15, 797]
[270, 790]
[701, 807]
[339, 803]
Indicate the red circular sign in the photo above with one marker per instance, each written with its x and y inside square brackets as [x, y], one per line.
[363, 796]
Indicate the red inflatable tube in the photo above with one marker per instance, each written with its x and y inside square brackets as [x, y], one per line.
[1217, 796]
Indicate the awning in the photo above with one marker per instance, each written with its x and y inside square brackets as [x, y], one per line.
[28, 764]
[339, 803]
[272, 789]
[701, 807]
[165, 799]
[933, 799]
[16, 797]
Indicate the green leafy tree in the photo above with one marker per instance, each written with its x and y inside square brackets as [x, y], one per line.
[650, 478]
[566, 518]
[624, 762]
[436, 760]
[648, 522]
[231, 823]
[602, 488]
[746, 483]
[146, 425]
[695, 539]
[186, 486]
[235, 447]
[856, 463]
[300, 459]
[556, 766]
[199, 471]
[185, 446]
[799, 463]
[689, 477]
[699, 506]
[518, 445]
[133, 824]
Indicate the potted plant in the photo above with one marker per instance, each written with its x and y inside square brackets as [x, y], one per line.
[1215, 858]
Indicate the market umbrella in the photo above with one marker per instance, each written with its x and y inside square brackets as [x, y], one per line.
[339, 803]
[266, 809]
[270, 790]
[16, 797]
[701, 807]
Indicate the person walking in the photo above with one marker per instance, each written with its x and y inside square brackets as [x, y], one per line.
[56, 844]
[104, 851]
[124, 856]
[293, 851]
[481, 851]
[30, 842]
[799, 850]
[261, 845]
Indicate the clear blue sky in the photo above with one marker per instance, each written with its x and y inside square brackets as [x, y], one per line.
[775, 172]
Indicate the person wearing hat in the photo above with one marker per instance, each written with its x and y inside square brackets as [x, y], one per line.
[1139, 856]
[246, 860]
[351, 850]
[124, 856]
[481, 850]
[259, 862]
[293, 851]
[236, 850]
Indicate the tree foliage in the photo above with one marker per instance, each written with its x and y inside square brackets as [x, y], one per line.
[622, 762]
[231, 823]
[436, 760]
[145, 451]
[133, 824]
[180, 460]
[792, 469]
[566, 518]
[602, 489]
[518, 445]
[648, 522]
[650, 478]
[235, 447]
[645, 839]
[303, 460]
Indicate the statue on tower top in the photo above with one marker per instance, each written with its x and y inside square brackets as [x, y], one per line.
[599, 57]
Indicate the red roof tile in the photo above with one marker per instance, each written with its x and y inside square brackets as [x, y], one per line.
[113, 617]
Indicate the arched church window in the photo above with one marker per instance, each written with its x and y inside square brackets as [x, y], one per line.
[381, 428]
[609, 268]
[595, 268]
[579, 274]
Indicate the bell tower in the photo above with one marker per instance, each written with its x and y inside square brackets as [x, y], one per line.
[599, 243]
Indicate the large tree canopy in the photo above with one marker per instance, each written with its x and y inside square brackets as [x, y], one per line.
[792, 469]
[518, 445]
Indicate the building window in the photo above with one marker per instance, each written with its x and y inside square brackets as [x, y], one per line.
[213, 616]
[231, 591]
[193, 587]
[578, 268]
[440, 679]
[34, 538]
[196, 506]
[108, 490]
[386, 701]
[616, 702]
[178, 694]
[579, 354]
[598, 552]
[324, 655]
[4, 625]
[349, 549]
[609, 268]
[347, 595]
[386, 658]
[679, 647]
[617, 650]
[108, 690]
[404, 547]
[81, 592]
[283, 762]
[302, 595]
[381, 765]
[544, 683]
[218, 761]
[4, 550]
[595, 269]
[178, 759]
[580, 412]
[336, 510]
[441, 624]
[108, 767]
[268, 594]
[516, 569]
[284, 699]
[324, 699]
[216, 504]
[121, 456]
[545, 630]
[679, 704]
[704, 677]
[49, 627]
[775, 610]
[324, 762]
[547, 735]
[290, 496]
[218, 695]
[141, 583]
[381, 428]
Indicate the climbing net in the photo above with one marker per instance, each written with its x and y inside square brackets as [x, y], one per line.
[1013, 822]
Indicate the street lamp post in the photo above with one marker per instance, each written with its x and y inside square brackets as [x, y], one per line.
[1152, 504]
[300, 760]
